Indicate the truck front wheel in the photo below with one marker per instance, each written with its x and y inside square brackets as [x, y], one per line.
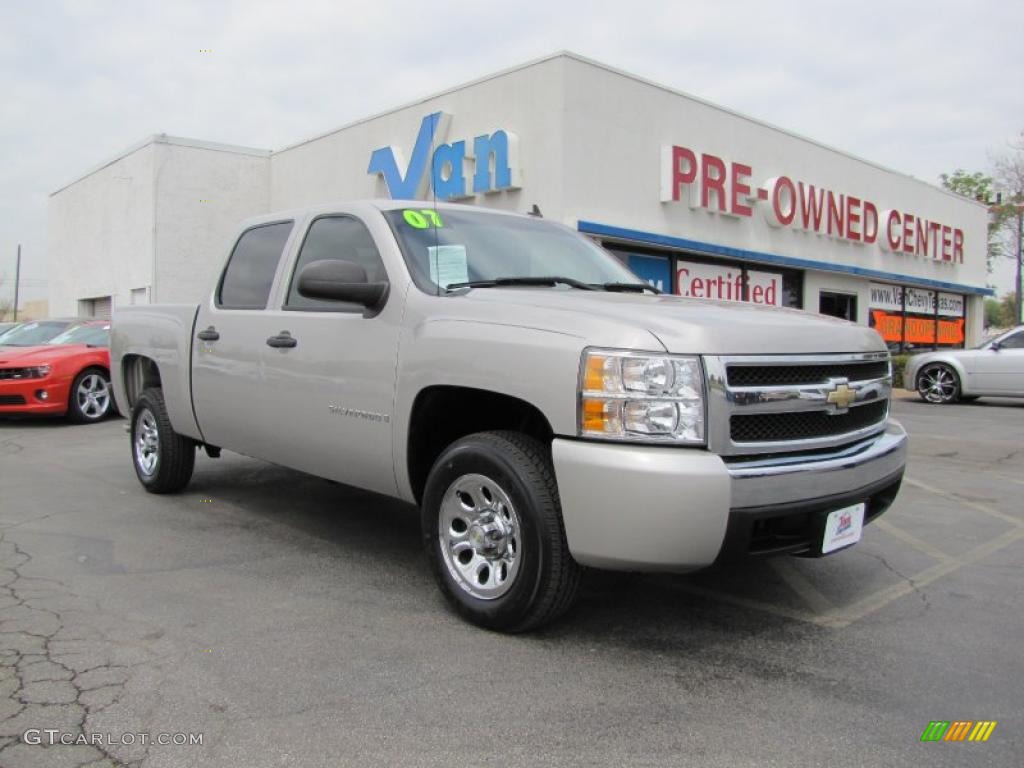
[492, 526]
[162, 458]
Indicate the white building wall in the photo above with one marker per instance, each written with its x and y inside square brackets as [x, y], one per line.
[589, 143]
[203, 192]
[616, 126]
[527, 102]
[100, 233]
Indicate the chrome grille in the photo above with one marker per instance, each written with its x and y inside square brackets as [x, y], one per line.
[771, 375]
[771, 427]
[788, 403]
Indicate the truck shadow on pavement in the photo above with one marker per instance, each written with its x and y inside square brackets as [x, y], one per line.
[382, 535]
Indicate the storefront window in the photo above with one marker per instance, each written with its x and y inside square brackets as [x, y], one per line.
[842, 305]
[686, 274]
[914, 318]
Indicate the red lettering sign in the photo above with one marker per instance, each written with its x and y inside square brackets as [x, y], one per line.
[740, 189]
[722, 186]
[712, 179]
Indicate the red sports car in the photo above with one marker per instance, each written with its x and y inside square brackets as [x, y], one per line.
[70, 374]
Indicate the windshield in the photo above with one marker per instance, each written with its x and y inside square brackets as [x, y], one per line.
[97, 335]
[31, 334]
[448, 246]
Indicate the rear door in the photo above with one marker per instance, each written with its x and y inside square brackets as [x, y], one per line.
[329, 398]
[231, 332]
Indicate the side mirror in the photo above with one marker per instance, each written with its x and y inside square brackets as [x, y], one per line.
[995, 346]
[337, 280]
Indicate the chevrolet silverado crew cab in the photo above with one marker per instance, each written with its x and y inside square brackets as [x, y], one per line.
[544, 408]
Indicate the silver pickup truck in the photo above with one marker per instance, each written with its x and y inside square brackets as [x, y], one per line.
[544, 408]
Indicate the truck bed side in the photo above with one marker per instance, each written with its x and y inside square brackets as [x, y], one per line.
[149, 341]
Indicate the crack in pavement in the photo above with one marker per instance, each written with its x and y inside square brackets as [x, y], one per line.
[902, 576]
[54, 675]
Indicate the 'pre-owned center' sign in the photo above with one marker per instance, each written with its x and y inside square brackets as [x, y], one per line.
[711, 183]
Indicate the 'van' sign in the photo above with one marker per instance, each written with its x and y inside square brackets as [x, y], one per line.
[454, 171]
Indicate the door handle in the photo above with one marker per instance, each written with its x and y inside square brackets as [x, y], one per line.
[283, 340]
[210, 334]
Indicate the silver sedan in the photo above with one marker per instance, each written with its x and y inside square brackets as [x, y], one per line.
[996, 369]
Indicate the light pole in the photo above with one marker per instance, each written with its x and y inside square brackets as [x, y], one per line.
[1020, 255]
[17, 279]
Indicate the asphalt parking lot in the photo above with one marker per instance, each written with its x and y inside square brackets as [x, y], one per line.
[293, 622]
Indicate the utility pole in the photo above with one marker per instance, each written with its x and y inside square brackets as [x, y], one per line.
[1020, 253]
[17, 281]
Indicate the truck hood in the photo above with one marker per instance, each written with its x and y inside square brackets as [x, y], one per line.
[683, 325]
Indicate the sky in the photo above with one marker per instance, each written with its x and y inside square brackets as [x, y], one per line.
[921, 87]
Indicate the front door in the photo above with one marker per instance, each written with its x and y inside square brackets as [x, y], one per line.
[1000, 371]
[329, 393]
[230, 336]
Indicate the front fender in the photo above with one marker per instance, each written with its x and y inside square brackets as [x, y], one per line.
[538, 366]
[915, 364]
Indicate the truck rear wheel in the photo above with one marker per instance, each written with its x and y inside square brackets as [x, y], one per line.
[492, 526]
[162, 458]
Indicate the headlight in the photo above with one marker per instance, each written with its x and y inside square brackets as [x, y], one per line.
[630, 396]
[35, 372]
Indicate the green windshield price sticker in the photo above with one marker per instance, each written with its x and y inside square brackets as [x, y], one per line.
[423, 218]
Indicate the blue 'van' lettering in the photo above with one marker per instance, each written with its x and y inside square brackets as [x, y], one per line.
[495, 158]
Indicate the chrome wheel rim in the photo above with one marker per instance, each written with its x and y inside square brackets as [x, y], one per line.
[93, 396]
[480, 537]
[147, 442]
[937, 384]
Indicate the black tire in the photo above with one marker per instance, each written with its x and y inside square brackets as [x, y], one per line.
[175, 454]
[546, 578]
[938, 383]
[83, 409]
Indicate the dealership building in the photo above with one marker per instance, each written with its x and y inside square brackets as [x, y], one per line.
[697, 199]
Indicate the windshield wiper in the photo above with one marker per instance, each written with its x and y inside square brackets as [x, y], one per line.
[500, 282]
[629, 287]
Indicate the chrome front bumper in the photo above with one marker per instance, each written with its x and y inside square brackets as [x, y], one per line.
[656, 508]
[779, 480]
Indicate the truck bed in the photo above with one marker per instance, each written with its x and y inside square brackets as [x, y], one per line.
[164, 333]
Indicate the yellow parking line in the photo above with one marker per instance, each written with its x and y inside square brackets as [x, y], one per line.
[1001, 476]
[801, 585]
[983, 508]
[910, 539]
[843, 616]
[847, 615]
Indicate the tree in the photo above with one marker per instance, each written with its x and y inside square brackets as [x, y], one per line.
[6, 304]
[981, 187]
[1009, 179]
[999, 313]
[993, 313]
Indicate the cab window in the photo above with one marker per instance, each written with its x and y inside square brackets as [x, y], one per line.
[249, 274]
[335, 237]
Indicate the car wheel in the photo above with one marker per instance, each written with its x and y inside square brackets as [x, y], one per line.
[492, 527]
[938, 383]
[162, 458]
[91, 397]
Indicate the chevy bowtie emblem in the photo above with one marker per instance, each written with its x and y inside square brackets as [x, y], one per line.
[842, 396]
